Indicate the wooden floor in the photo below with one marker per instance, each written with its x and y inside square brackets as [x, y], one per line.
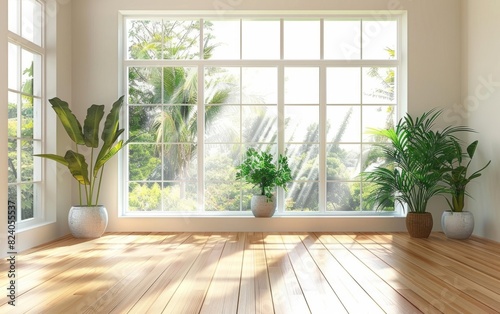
[257, 273]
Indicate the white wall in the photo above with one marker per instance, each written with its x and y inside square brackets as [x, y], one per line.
[434, 80]
[480, 106]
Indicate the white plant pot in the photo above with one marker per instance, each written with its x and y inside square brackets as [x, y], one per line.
[87, 221]
[261, 207]
[457, 225]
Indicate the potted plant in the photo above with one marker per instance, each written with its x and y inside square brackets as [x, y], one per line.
[89, 219]
[457, 223]
[412, 168]
[261, 171]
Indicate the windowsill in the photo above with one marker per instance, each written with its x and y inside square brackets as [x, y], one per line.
[249, 215]
[196, 222]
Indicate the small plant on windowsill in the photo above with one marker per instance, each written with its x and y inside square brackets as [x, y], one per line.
[260, 170]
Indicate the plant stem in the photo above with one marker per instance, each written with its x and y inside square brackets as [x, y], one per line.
[91, 177]
[99, 186]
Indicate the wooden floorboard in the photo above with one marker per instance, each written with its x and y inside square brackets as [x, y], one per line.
[257, 273]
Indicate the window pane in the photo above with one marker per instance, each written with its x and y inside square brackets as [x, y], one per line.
[304, 161]
[181, 39]
[258, 34]
[177, 124]
[302, 196]
[179, 85]
[27, 201]
[379, 85]
[144, 196]
[167, 39]
[343, 196]
[343, 85]
[27, 80]
[144, 85]
[343, 123]
[222, 192]
[144, 123]
[27, 121]
[31, 21]
[301, 85]
[180, 162]
[13, 7]
[180, 196]
[26, 161]
[144, 39]
[222, 124]
[144, 162]
[222, 85]
[260, 85]
[221, 40]
[302, 40]
[225, 196]
[260, 124]
[12, 114]
[342, 40]
[378, 117]
[14, 70]
[12, 159]
[36, 124]
[301, 123]
[343, 161]
[379, 39]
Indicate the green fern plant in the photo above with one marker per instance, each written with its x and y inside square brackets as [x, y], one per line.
[415, 157]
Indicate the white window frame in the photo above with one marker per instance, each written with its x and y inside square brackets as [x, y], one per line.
[401, 84]
[39, 214]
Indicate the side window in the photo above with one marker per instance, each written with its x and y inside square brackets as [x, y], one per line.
[25, 94]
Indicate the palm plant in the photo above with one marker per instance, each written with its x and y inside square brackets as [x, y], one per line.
[456, 178]
[414, 162]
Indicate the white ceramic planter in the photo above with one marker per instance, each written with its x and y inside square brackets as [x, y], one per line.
[87, 221]
[457, 225]
[261, 207]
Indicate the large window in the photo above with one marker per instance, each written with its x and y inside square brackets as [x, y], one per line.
[25, 94]
[202, 90]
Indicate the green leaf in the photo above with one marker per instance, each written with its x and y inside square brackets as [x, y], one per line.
[68, 120]
[111, 129]
[78, 167]
[91, 125]
[471, 149]
[59, 159]
[111, 152]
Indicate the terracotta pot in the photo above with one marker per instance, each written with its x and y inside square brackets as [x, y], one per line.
[262, 207]
[419, 225]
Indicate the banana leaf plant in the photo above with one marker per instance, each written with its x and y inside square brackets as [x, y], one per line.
[456, 178]
[89, 172]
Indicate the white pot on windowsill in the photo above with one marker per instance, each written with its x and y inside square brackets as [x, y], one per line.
[263, 207]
